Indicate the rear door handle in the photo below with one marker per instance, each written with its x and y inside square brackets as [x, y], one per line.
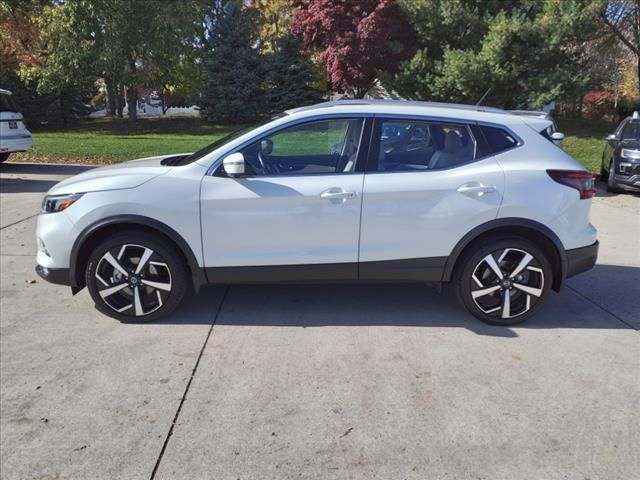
[475, 189]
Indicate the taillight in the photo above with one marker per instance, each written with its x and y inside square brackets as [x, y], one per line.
[578, 179]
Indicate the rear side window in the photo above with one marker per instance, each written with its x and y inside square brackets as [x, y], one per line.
[408, 145]
[7, 104]
[498, 139]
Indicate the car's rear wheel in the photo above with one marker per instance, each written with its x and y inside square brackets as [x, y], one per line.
[503, 280]
[136, 277]
[4, 156]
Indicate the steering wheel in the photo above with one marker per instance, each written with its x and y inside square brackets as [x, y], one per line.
[268, 167]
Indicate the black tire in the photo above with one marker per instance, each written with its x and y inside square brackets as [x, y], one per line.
[4, 156]
[536, 277]
[611, 184]
[135, 300]
[604, 175]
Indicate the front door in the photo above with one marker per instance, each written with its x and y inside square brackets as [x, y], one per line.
[295, 215]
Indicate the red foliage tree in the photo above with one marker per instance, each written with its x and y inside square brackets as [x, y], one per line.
[354, 39]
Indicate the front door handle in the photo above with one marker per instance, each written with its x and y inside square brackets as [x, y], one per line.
[475, 189]
[338, 194]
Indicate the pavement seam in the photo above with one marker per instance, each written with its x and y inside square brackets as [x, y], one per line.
[19, 221]
[186, 390]
[602, 308]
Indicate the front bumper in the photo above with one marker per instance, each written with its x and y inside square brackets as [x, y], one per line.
[59, 276]
[581, 259]
[628, 183]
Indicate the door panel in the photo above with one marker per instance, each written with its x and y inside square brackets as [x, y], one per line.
[281, 220]
[422, 214]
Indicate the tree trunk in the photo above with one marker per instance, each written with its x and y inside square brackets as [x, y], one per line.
[111, 99]
[63, 110]
[120, 100]
[164, 110]
[132, 104]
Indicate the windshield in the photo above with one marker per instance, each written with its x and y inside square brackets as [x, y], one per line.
[631, 131]
[221, 142]
[7, 104]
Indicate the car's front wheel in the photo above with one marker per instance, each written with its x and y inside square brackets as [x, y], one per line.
[136, 277]
[503, 281]
[611, 183]
[4, 156]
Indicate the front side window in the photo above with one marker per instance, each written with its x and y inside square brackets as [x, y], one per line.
[419, 145]
[320, 147]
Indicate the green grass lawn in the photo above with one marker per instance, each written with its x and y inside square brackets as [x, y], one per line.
[111, 141]
[584, 140]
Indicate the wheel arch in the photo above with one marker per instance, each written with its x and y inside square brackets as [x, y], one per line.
[95, 233]
[540, 234]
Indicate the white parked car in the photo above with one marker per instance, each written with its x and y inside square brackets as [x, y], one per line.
[372, 191]
[14, 136]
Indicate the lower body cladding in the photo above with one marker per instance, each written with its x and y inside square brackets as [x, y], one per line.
[421, 270]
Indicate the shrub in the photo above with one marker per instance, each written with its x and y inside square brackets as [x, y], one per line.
[597, 105]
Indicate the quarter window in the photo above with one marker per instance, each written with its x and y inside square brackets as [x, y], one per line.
[320, 147]
[499, 139]
[418, 145]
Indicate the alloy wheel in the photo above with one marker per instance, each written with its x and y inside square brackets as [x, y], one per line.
[507, 283]
[133, 280]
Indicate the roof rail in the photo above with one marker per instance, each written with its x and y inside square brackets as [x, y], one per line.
[404, 103]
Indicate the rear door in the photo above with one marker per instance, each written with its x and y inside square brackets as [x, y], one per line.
[426, 186]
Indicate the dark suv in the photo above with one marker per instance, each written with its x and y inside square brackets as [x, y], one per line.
[620, 166]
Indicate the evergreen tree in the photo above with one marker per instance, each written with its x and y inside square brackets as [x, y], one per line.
[289, 77]
[232, 68]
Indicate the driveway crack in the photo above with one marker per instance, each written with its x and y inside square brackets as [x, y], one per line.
[602, 308]
[186, 390]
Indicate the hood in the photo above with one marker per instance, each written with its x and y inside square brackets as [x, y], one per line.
[113, 177]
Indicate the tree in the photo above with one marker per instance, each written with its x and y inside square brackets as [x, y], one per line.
[527, 53]
[622, 18]
[354, 39]
[232, 67]
[274, 21]
[128, 43]
[289, 77]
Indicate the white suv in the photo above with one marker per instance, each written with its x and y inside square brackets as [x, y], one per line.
[352, 190]
[14, 136]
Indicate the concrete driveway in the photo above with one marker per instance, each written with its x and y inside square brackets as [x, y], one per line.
[317, 382]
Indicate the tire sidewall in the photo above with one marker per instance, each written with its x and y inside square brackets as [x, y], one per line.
[177, 267]
[468, 263]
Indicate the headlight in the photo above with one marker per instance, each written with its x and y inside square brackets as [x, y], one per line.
[57, 203]
[626, 153]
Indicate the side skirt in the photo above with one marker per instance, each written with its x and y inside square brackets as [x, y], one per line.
[423, 270]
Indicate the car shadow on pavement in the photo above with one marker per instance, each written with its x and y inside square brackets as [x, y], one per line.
[43, 168]
[398, 305]
[19, 185]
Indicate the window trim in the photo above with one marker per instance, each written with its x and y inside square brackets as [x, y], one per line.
[217, 168]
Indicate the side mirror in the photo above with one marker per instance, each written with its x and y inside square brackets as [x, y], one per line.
[557, 136]
[610, 138]
[234, 165]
